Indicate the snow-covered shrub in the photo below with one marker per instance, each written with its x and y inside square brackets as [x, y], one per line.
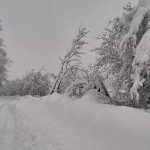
[76, 89]
[11, 88]
[36, 83]
[74, 83]
[33, 83]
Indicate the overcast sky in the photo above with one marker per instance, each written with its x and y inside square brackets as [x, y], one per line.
[37, 32]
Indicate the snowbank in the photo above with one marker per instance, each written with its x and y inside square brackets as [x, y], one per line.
[85, 124]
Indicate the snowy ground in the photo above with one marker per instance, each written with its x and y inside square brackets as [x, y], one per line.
[59, 123]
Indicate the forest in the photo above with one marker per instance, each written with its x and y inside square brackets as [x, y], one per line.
[121, 62]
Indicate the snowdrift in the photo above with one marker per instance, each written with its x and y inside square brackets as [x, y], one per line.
[59, 123]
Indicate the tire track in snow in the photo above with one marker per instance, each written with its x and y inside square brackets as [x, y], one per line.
[7, 127]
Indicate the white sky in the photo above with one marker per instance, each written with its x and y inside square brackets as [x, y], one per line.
[37, 32]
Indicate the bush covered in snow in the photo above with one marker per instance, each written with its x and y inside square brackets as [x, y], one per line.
[33, 83]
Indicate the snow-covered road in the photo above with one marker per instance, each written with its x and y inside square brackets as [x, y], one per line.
[59, 123]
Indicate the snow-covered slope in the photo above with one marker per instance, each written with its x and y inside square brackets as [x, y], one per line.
[59, 123]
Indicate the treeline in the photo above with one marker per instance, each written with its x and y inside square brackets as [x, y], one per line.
[33, 83]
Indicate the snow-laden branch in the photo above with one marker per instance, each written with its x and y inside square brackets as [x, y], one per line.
[140, 62]
[134, 18]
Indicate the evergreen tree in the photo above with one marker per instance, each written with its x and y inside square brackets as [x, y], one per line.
[113, 65]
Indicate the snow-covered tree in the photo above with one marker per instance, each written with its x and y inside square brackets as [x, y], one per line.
[36, 83]
[33, 83]
[124, 55]
[113, 68]
[70, 62]
[4, 61]
[138, 21]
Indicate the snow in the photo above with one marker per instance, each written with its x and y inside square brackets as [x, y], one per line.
[7, 132]
[57, 122]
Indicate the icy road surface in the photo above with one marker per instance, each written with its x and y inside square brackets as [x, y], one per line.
[59, 123]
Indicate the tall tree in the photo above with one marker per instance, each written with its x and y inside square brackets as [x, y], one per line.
[112, 64]
[4, 61]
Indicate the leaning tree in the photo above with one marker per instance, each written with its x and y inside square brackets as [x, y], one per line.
[113, 68]
[70, 62]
